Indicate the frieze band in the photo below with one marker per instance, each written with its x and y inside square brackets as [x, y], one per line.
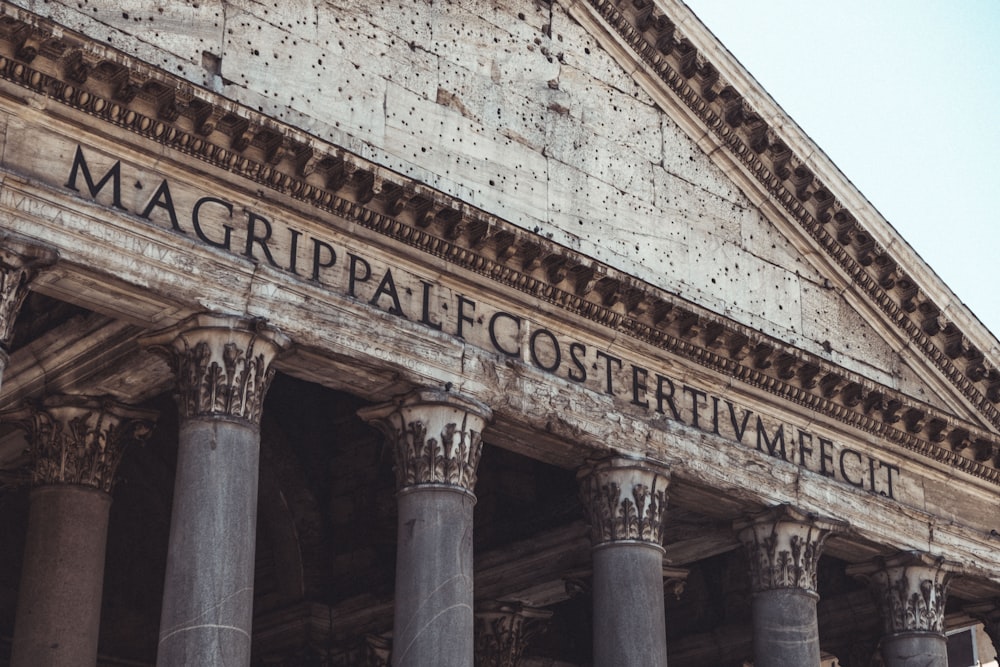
[442, 229]
[855, 401]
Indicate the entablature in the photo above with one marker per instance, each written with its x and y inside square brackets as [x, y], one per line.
[330, 247]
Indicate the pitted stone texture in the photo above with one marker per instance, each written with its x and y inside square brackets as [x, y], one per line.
[625, 500]
[222, 364]
[516, 109]
[436, 437]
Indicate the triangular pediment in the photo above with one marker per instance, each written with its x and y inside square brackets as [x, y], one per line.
[763, 229]
[613, 162]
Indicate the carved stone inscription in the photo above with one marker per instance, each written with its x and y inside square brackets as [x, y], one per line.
[325, 257]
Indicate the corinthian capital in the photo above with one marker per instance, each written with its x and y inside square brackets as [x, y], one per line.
[625, 500]
[222, 364]
[911, 590]
[436, 437]
[20, 262]
[78, 440]
[783, 547]
[503, 630]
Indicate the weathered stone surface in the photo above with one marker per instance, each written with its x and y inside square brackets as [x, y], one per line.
[208, 591]
[519, 112]
[223, 367]
[59, 599]
[911, 591]
[626, 501]
[436, 437]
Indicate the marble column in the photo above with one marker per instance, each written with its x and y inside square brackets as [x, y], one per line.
[75, 444]
[910, 589]
[503, 630]
[783, 547]
[436, 437]
[223, 369]
[20, 262]
[626, 503]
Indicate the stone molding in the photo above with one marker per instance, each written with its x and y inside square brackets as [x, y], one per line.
[695, 81]
[625, 501]
[910, 589]
[502, 632]
[20, 262]
[47, 60]
[436, 437]
[783, 547]
[79, 440]
[222, 364]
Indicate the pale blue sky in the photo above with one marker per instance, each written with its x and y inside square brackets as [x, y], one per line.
[904, 97]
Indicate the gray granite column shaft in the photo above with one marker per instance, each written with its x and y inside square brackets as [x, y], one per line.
[434, 578]
[629, 623]
[785, 629]
[436, 440]
[915, 650]
[911, 591]
[626, 503]
[59, 596]
[223, 371]
[207, 608]
[783, 548]
[75, 445]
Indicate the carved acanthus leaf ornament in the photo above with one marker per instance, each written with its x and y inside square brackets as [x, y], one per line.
[502, 632]
[222, 364]
[910, 589]
[625, 500]
[20, 262]
[783, 548]
[76, 74]
[436, 437]
[78, 440]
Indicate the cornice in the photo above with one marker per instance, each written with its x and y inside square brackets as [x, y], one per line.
[785, 175]
[84, 78]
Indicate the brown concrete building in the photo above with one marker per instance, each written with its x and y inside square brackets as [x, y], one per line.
[464, 333]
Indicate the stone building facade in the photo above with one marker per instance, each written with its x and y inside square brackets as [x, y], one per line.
[464, 333]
